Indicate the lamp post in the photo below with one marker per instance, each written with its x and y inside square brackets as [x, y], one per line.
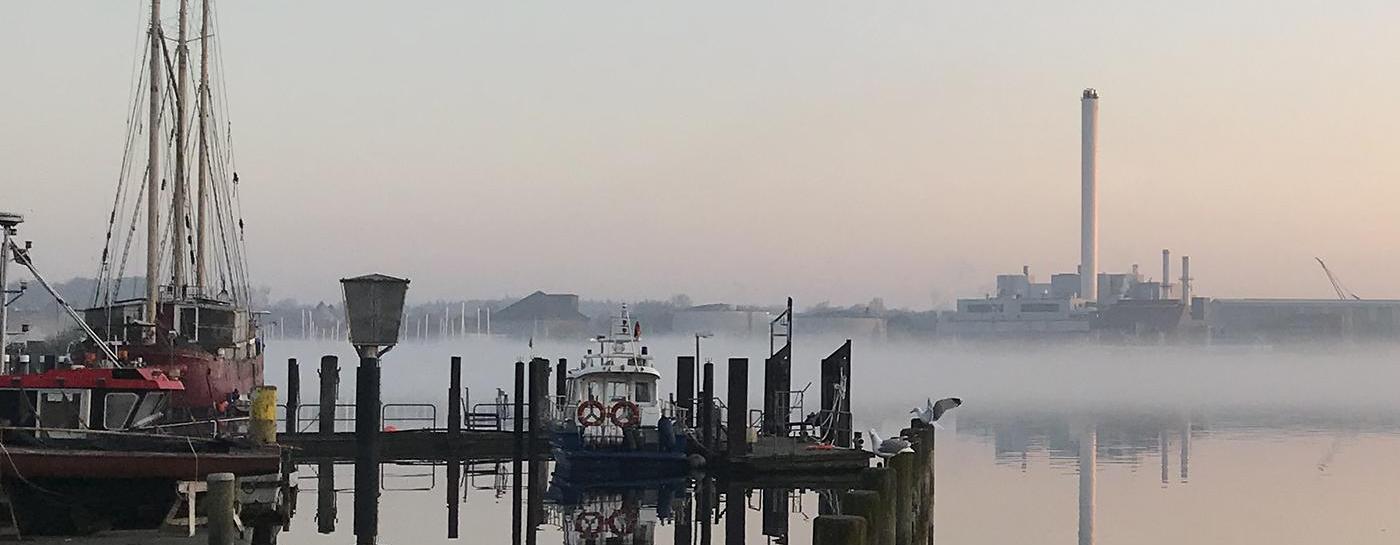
[374, 311]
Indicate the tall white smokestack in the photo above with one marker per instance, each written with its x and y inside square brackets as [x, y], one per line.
[1166, 273]
[1088, 207]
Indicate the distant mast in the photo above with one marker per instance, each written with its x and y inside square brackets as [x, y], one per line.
[200, 275]
[178, 215]
[153, 170]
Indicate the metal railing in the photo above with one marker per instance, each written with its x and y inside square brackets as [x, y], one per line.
[408, 416]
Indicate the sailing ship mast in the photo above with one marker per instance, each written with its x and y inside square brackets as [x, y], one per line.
[201, 206]
[153, 170]
[178, 216]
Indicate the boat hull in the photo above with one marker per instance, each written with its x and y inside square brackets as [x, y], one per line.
[59, 463]
[209, 379]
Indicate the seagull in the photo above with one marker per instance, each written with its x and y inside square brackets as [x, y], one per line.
[933, 411]
[887, 448]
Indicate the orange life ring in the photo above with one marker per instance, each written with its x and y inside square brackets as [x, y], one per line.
[631, 418]
[589, 523]
[622, 523]
[590, 413]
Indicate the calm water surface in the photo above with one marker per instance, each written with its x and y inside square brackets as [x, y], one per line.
[1213, 446]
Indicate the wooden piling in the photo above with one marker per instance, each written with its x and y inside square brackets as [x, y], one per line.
[293, 395]
[367, 439]
[685, 388]
[454, 430]
[866, 504]
[735, 509]
[707, 413]
[326, 511]
[905, 484]
[330, 394]
[881, 480]
[838, 530]
[738, 426]
[518, 430]
[219, 508]
[923, 469]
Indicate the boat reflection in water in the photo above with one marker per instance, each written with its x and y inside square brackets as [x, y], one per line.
[623, 513]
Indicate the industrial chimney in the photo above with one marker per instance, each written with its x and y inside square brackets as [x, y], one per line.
[1088, 208]
[1186, 280]
[1166, 273]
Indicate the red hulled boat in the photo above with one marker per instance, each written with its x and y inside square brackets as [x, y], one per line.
[192, 318]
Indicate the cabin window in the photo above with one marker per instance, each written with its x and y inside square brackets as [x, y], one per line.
[592, 390]
[61, 410]
[150, 409]
[643, 393]
[617, 390]
[117, 409]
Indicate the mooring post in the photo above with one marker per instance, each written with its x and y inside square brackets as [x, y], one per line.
[219, 508]
[838, 530]
[734, 511]
[903, 465]
[262, 416]
[704, 509]
[539, 403]
[326, 512]
[882, 481]
[923, 462]
[518, 431]
[293, 394]
[330, 394]
[738, 408]
[707, 413]
[685, 388]
[367, 429]
[865, 504]
[454, 432]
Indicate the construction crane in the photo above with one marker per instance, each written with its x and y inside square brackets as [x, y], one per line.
[1342, 292]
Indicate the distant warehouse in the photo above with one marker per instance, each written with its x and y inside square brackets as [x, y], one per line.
[721, 319]
[1303, 320]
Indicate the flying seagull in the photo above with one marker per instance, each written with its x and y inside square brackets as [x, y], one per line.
[887, 448]
[933, 411]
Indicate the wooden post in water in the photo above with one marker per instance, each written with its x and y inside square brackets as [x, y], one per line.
[293, 395]
[330, 394]
[923, 469]
[903, 465]
[685, 388]
[367, 431]
[518, 430]
[707, 413]
[738, 408]
[454, 431]
[838, 530]
[325, 497]
[219, 508]
[539, 435]
[735, 509]
[882, 481]
[866, 504]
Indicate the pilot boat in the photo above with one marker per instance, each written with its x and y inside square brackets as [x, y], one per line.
[611, 422]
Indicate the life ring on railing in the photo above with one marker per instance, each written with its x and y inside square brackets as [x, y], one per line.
[590, 413]
[622, 523]
[589, 523]
[625, 414]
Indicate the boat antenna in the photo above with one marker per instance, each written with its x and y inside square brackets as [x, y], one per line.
[22, 257]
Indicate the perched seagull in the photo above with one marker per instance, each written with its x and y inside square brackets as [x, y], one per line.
[933, 411]
[887, 448]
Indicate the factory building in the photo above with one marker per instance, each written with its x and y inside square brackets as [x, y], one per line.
[721, 319]
[1281, 321]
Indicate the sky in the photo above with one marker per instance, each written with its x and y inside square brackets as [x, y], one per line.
[742, 151]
